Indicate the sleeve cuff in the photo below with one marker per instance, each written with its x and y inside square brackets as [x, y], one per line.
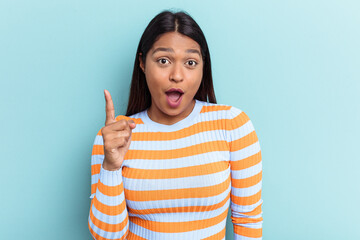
[110, 178]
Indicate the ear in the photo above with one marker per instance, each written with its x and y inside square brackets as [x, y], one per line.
[141, 62]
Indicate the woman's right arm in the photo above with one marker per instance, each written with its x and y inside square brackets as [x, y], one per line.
[108, 217]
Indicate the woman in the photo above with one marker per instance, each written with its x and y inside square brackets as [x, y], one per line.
[174, 164]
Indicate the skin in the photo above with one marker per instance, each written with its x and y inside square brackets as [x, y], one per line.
[178, 64]
[116, 136]
[179, 67]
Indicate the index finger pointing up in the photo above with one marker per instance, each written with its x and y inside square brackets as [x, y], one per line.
[109, 108]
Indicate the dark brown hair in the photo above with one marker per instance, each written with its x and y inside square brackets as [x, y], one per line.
[166, 21]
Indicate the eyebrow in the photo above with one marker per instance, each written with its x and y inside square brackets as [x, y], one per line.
[171, 50]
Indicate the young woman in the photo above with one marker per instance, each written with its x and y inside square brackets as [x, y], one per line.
[174, 164]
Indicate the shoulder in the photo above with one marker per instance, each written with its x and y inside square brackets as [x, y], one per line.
[223, 111]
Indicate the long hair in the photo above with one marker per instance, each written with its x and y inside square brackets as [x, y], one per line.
[166, 21]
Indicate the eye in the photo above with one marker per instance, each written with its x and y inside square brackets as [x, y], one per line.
[192, 63]
[162, 61]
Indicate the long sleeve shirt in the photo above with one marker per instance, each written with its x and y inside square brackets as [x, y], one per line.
[178, 181]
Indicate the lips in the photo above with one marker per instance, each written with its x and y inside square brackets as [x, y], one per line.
[174, 96]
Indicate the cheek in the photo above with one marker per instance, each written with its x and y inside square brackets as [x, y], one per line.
[156, 76]
[152, 85]
[156, 86]
[196, 80]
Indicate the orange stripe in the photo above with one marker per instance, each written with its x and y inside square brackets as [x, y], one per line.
[240, 220]
[180, 209]
[243, 142]
[106, 226]
[133, 236]
[248, 232]
[246, 182]
[199, 192]
[239, 120]
[221, 124]
[95, 169]
[136, 120]
[110, 190]
[246, 200]
[246, 162]
[205, 109]
[98, 150]
[180, 152]
[99, 133]
[109, 210]
[93, 188]
[254, 212]
[98, 237]
[177, 227]
[217, 236]
[198, 170]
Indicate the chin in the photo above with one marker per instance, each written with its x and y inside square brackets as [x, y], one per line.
[173, 111]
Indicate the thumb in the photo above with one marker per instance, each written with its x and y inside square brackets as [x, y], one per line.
[132, 124]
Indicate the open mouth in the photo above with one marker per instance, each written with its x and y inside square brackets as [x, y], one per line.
[174, 94]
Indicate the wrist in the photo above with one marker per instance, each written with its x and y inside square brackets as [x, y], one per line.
[110, 167]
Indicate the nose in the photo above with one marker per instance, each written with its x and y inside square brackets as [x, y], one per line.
[177, 73]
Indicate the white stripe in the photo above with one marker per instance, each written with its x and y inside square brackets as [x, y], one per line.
[251, 225]
[239, 237]
[110, 200]
[246, 192]
[97, 159]
[241, 131]
[199, 138]
[248, 172]
[176, 183]
[189, 161]
[99, 140]
[243, 215]
[235, 111]
[111, 178]
[244, 208]
[245, 152]
[215, 115]
[95, 178]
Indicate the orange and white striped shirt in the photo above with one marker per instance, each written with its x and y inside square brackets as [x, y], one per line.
[178, 181]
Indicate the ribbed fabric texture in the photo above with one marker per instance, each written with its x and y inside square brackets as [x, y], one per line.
[178, 181]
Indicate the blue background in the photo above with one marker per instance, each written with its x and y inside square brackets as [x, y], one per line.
[292, 66]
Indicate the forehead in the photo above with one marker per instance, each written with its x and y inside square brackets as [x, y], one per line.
[175, 41]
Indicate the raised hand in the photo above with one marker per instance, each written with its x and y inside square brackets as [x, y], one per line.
[116, 135]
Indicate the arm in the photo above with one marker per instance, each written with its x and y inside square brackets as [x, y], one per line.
[108, 217]
[246, 177]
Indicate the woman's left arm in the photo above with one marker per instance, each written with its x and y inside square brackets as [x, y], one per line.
[246, 177]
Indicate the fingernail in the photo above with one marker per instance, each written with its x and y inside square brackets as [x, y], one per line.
[132, 122]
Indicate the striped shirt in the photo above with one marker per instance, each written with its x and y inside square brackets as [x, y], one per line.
[178, 181]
